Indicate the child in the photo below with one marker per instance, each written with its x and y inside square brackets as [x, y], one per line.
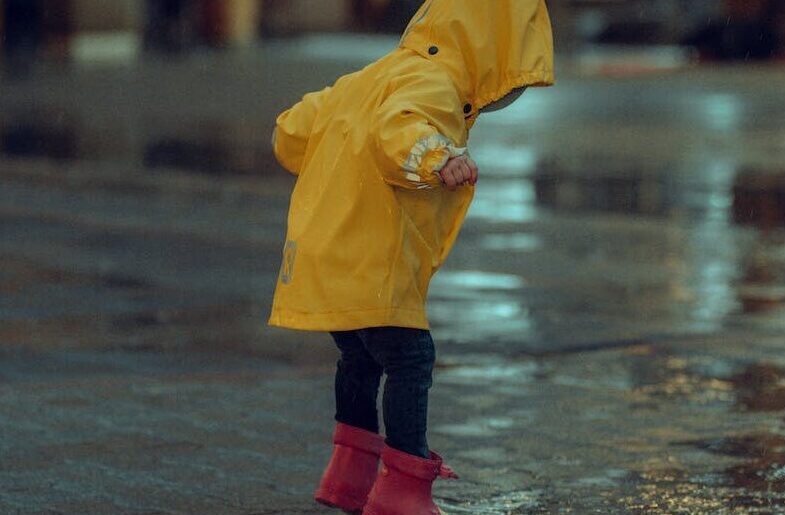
[383, 186]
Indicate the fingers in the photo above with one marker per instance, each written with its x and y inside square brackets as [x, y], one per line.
[475, 172]
[459, 171]
[463, 171]
[457, 174]
[448, 177]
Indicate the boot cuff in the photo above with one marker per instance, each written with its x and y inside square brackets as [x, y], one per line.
[357, 438]
[412, 465]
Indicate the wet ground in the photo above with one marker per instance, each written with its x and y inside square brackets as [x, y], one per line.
[609, 326]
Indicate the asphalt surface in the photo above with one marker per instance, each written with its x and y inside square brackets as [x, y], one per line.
[609, 327]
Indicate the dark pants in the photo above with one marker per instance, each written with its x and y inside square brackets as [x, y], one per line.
[406, 356]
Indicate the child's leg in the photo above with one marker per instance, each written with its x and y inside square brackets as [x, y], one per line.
[357, 380]
[407, 356]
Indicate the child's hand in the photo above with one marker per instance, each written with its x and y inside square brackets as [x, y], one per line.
[459, 171]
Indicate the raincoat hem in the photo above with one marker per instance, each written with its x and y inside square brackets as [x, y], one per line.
[349, 320]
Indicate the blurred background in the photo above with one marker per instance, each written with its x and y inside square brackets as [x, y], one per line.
[74, 30]
[610, 323]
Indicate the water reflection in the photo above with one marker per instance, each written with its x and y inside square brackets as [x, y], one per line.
[762, 473]
[760, 387]
[503, 200]
[722, 111]
[474, 306]
[205, 147]
[714, 264]
[49, 134]
[683, 241]
[517, 502]
[44, 307]
[469, 280]
[506, 159]
[631, 194]
[755, 387]
[516, 242]
[759, 198]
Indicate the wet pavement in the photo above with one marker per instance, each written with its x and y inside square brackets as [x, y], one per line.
[609, 326]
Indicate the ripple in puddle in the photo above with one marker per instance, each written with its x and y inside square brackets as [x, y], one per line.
[480, 427]
[517, 372]
[761, 478]
[512, 503]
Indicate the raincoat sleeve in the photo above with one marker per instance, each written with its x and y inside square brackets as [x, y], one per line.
[411, 131]
[293, 129]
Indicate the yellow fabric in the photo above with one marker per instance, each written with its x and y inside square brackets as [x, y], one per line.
[369, 222]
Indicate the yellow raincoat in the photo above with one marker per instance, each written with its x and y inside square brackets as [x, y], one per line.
[369, 222]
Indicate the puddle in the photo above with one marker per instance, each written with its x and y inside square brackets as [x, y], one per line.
[476, 280]
[673, 490]
[519, 242]
[49, 135]
[487, 305]
[759, 198]
[504, 201]
[477, 427]
[755, 446]
[16, 275]
[762, 288]
[760, 387]
[487, 455]
[497, 372]
[117, 281]
[206, 156]
[479, 319]
[41, 307]
[628, 193]
[762, 473]
[669, 377]
[176, 153]
[608, 185]
[512, 503]
[212, 148]
[203, 147]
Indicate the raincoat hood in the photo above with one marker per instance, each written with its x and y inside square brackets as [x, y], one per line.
[489, 47]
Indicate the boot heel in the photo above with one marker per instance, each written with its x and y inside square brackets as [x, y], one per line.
[404, 484]
[353, 466]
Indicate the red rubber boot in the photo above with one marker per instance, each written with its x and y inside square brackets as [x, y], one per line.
[404, 484]
[352, 469]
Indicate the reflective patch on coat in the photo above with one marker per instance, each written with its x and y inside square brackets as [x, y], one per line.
[287, 266]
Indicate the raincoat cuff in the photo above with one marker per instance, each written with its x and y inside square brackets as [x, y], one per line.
[433, 160]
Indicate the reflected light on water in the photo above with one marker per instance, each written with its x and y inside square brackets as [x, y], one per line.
[472, 305]
[517, 241]
[457, 312]
[716, 258]
[716, 297]
[498, 159]
[475, 279]
[504, 201]
[721, 112]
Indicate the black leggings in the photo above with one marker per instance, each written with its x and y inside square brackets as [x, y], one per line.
[406, 356]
